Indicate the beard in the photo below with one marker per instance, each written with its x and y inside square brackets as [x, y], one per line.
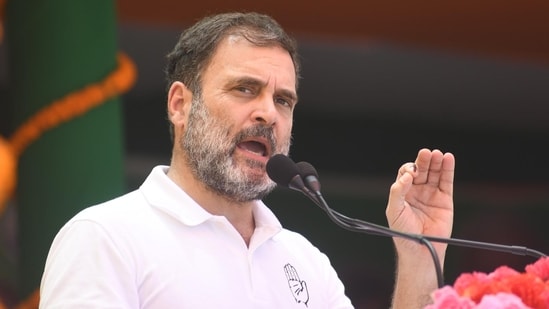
[209, 147]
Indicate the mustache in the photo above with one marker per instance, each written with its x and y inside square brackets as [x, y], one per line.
[257, 131]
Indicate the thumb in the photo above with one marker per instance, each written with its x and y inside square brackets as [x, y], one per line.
[397, 194]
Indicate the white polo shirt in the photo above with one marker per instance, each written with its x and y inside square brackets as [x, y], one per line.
[157, 248]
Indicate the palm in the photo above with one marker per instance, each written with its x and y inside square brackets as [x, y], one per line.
[426, 207]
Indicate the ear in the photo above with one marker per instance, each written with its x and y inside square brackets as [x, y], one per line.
[179, 104]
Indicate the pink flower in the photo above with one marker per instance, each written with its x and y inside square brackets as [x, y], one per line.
[539, 268]
[447, 297]
[501, 301]
[503, 272]
[503, 288]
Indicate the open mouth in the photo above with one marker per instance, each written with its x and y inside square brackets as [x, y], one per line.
[256, 147]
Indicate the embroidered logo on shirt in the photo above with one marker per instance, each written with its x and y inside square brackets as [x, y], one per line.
[297, 286]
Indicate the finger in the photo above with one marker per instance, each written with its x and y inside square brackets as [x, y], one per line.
[292, 273]
[435, 168]
[397, 196]
[423, 162]
[447, 173]
[409, 167]
[288, 269]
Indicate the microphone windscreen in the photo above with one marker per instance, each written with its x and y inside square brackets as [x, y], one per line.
[310, 175]
[306, 169]
[281, 169]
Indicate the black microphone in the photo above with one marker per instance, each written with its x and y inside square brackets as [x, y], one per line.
[310, 175]
[281, 169]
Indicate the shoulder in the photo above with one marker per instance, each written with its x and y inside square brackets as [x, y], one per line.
[117, 207]
[123, 212]
[296, 242]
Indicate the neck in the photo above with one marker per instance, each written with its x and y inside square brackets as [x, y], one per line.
[240, 215]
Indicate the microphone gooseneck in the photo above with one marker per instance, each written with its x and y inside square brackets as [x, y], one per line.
[280, 168]
[310, 175]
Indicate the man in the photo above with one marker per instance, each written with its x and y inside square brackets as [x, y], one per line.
[196, 234]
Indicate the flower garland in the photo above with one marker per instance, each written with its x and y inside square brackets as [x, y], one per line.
[504, 288]
[67, 108]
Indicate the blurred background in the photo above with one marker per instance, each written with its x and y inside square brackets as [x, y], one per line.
[380, 80]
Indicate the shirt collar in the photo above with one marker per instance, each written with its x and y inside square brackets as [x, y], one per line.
[161, 192]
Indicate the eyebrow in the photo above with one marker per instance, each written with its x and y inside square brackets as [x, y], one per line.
[251, 81]
[288, 94]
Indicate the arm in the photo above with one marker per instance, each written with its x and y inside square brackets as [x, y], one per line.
[420, 202]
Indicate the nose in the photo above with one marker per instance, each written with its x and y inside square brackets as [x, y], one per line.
[265, 111]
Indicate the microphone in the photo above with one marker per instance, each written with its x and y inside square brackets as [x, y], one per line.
[310, 175]
[284, 172]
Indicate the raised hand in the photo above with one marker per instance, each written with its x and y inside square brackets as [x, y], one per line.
[421, 198]
[420, 202]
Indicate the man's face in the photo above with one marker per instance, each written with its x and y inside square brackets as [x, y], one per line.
[243, 117]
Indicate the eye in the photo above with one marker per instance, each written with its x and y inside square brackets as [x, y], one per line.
[244, 89]
[284, 101]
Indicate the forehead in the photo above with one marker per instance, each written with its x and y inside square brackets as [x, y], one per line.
[237, 56]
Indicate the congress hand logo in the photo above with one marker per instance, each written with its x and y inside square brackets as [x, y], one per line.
[298, 287]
